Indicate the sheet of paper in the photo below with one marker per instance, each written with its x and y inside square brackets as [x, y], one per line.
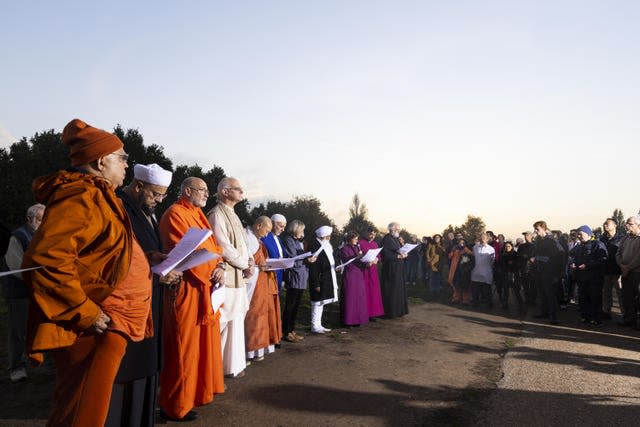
[302, 256]
[8, 273]
[217, 297]
[279, 263]
[316, 253]
[346, 263]
[189, 243]
[196, 258]
[371, 255]
[408, 247]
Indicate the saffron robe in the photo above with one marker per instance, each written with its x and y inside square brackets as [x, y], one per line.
[262, 324]
[192, 359]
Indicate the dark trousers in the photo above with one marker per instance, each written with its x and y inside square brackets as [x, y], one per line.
[291, 304]
[17, 310]
[590, 298]
[547, 285]
[481, 293]
[510, 282]
[629, 296]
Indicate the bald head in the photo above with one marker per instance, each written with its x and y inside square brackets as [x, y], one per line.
[262, 226]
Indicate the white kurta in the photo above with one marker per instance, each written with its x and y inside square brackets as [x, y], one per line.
[233, 239]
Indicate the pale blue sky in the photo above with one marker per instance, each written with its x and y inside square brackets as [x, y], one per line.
[430, 110]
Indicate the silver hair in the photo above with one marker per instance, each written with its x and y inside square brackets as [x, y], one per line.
[33, 210]
[278, 218]
[393, 225]
[224, 183]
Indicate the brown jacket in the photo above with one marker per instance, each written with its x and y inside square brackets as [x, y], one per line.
[84, 245]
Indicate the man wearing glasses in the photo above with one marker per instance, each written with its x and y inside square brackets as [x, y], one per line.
[628, 258]
[231, 235]
[133, 399]
[192, 357]
[81, 307]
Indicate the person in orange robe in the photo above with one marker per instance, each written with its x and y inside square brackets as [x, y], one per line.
[192, 369]
[83, 286]
[262, 323]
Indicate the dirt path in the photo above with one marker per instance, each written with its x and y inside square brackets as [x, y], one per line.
[435, 366]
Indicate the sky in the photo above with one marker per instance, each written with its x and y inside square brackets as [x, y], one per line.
[514, 111]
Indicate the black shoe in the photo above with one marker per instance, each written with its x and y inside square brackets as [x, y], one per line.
[623, 323]
[553, 322]
[596, 323]
[190, 416]
[605, 316]
[539, 316]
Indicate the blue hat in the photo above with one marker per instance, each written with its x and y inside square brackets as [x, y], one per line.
[586, 229]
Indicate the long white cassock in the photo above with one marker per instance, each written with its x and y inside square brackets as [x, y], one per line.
[231, 236]
[254, 245]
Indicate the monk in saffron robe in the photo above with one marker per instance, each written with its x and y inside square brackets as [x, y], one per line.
[86, 301]
[192, 369]
[262, 323]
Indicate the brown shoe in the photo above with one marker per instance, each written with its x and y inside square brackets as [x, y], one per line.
[298, 336]
[291, 337]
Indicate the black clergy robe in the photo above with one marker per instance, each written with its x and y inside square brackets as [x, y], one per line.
[133, 400]
[394, 292]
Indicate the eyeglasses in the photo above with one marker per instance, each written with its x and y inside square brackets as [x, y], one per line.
[123, 157]
[203, 190]
[239, 189]
[156, 195]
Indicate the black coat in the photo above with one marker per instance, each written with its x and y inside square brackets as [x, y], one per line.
[143, 358]
[320, 275]
[593, 254]
[394, 293]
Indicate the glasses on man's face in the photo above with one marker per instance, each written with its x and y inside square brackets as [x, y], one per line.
[156, 195]
[238, 189]
[124, 158]
[200, 190]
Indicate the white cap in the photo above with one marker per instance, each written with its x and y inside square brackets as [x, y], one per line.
[324, 231]
[152, 174]
[278, 218]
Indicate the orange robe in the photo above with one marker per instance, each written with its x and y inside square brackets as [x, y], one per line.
[192, 369]
[85, 246]
[262, 323]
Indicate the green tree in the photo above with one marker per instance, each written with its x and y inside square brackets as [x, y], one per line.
[358, 221]
[307, 209]
[620, 220]
[470, 229]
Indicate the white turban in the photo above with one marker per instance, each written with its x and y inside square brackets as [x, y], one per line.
[152, 174]
[278, 218]
[324, 231]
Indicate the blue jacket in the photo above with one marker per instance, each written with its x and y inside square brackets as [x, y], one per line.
[272, 249]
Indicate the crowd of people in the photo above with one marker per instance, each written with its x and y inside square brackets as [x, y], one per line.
[543, 268]
[126, 341]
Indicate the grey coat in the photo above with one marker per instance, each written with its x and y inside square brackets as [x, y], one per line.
[297, 276]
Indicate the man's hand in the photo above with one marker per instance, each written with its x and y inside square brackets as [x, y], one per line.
[172, 278]
[312, 259]
[156, 257]
[248, 272]
[218, 276]
[101, 324]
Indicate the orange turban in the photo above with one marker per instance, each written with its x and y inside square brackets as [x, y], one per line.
[88, 143]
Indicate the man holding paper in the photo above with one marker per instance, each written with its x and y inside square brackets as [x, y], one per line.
[394, 293]
[133, 400]
[192, 368]
[231, 236]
